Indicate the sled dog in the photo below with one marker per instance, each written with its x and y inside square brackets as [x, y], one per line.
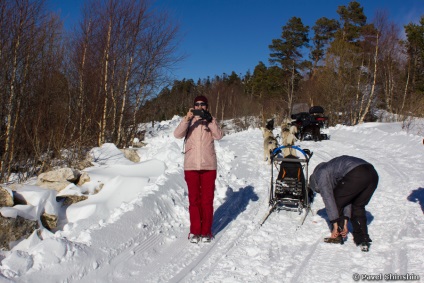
[287, 124]
[287, 139]
[270, 125]
[270, 143]
[293, 130]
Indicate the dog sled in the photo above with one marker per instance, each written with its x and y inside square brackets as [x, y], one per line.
[289, 184]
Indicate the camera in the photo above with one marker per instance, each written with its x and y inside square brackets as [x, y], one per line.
[203, 114]
[196, 112]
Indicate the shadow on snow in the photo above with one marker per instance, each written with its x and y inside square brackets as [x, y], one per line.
[417, 196]
[323, 213]
[235, 203]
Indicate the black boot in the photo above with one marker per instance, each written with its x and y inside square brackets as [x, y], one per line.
[360, 231]
[365, 246]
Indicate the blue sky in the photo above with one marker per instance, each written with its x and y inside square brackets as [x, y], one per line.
[221, 36]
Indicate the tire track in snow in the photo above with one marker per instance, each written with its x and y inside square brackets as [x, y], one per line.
[235, 228]
[181, 258]
[386, 169]
[312, 250]
[246, 237]
[304, 261]
[217, 249]
[120, 257]
[128, 258]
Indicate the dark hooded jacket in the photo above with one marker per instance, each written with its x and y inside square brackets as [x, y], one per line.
[325, 178]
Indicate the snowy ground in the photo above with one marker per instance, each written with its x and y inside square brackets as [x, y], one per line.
[135, 229]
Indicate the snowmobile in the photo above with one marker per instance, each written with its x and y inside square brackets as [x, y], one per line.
[311, 125]
[289, 186]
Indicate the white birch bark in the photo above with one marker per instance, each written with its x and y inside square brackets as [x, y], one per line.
[124, 100]
[10, 103]
[406, 89]
[371, 96]
[105, 86]
[81, 94]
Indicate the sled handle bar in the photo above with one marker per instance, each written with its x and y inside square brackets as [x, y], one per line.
[306, 152]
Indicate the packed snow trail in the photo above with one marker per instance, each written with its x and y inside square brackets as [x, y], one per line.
[146, 240]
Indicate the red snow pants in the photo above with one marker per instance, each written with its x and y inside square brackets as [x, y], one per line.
[201, 187]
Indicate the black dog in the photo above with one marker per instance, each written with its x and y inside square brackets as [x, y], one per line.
[270, 125]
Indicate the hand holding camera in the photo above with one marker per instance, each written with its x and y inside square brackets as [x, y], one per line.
[203, 114]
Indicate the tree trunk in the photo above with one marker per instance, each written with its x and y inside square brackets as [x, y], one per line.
[216, 108]
[222, 111]
[371, 96]
[81, 94]
[11, 103]
[114, 96]
[355, 114]
[406, 89]
[124, 100]
[105, 86]
[291, 91]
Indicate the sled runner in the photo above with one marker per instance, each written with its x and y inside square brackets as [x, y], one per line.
[289, 186]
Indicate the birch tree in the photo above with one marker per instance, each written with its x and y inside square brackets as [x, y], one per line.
[30, 48]
[126, 56]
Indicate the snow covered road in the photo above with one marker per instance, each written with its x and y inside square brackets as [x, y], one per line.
[145, 240]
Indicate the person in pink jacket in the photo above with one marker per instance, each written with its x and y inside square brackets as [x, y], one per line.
[200, 166]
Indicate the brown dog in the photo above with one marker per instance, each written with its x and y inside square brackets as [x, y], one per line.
[270, 143]
[288, 139]
[287, 124]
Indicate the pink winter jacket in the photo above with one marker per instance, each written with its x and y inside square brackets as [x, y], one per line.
[199, 147]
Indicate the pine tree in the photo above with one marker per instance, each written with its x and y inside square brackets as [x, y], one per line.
[286, 52]
[353, 19]
[324, 32]
[415, 49]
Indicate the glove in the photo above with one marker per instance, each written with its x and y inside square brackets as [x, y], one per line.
[207, 116]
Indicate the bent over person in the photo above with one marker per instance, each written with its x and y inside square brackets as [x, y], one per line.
[346, 184]
[200, 130]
